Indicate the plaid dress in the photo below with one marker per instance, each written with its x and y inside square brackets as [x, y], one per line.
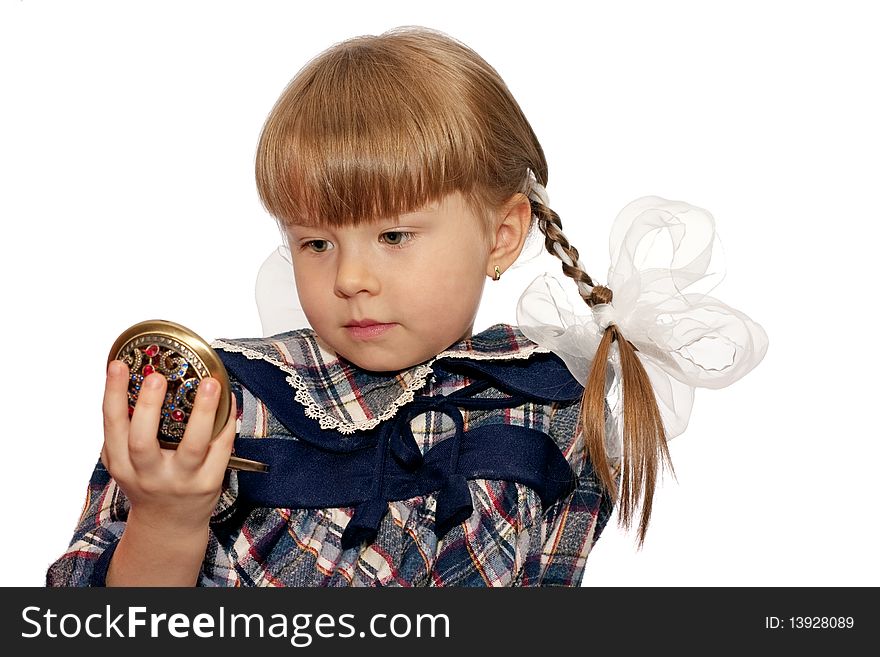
[466, 470]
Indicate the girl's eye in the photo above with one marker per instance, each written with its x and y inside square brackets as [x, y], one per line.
[317, 246]
[397, 237]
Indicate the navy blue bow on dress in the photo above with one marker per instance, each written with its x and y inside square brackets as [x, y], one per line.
[324, 469]
[454, 503]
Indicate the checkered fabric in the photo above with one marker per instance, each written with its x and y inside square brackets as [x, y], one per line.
[510, 539]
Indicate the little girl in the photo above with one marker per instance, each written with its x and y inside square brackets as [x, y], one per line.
[402, 449]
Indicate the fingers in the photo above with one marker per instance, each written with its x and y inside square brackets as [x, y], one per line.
[115, 410]
[143, 444]
[131, 444]
[200, 425]
[221, 448]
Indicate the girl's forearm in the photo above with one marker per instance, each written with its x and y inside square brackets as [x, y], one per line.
[150, 553]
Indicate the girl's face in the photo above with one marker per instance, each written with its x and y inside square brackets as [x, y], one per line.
[412, 282]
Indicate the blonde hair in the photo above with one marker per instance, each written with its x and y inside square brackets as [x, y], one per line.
[378, 126]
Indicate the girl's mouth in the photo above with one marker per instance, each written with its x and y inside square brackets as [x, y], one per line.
[366, 331]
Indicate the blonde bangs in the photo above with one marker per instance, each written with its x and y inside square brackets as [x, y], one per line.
[367, 130]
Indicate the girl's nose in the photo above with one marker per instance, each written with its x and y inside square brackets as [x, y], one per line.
[354, 275]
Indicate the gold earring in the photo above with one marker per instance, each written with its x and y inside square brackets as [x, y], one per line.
[497, 273]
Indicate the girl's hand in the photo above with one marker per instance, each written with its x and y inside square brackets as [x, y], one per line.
[172, 490]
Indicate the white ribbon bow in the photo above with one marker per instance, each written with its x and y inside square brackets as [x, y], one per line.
[659, 249]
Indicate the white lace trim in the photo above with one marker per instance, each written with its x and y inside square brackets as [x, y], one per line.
[419, 379]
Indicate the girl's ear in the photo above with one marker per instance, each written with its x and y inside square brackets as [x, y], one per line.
[511, 229]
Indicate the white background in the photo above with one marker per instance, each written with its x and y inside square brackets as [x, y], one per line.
[127, 140]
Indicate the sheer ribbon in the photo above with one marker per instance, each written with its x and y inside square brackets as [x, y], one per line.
[660, 253]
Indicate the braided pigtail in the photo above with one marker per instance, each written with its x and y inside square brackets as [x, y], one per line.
[644, 438]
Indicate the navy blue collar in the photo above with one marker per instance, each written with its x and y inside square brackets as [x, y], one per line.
[366, 469]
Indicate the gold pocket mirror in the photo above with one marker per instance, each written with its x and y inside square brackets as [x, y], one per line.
[184, 359]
